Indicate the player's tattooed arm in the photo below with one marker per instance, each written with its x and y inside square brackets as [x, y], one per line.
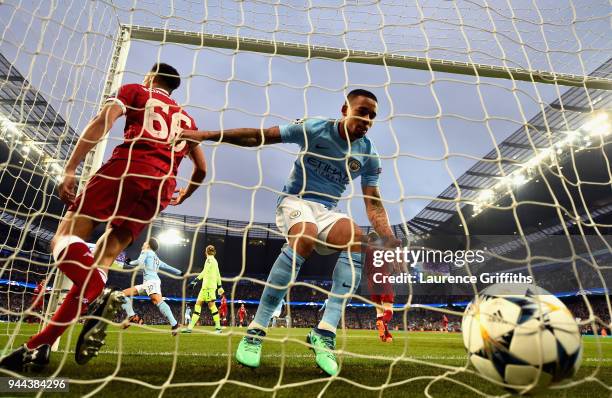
[93, 133]
[197, 176]
[240, 136]
[377, 214]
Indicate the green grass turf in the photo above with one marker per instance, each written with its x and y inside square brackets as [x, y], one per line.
[148, 362]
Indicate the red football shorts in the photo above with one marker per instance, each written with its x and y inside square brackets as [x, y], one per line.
[127, 196]
[383, 298]
[380, 292]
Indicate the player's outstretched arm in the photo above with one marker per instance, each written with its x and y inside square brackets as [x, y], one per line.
[377, 214]
[170, 269]
[380, 220]
[240, 137]
[197, 176]
[95, 130]
[217, 275]
[140, 260]
[198, 277]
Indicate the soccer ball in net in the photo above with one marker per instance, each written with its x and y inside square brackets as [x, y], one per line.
[521, 336]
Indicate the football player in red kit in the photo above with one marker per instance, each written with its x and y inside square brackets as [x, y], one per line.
[444, 323]
[382, 294]
[223, 310]
[127, 193]
[38, 302]
[242, 313]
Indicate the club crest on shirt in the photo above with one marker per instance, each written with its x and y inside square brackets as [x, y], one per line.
[354, 165]
[295, 214]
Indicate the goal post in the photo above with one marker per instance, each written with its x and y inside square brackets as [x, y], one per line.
[126, 33]
[114, 78]
[493, 113]
[93, 160]
[361, 56]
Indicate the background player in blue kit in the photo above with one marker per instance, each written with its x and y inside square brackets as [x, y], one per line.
[151, 284]
[333, 154]
[187, 316]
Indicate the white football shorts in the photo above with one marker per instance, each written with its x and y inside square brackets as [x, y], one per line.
[292, 210]
[149, 287]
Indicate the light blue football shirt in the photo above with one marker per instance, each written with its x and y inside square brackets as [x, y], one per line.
[151, 265]
[327, 163]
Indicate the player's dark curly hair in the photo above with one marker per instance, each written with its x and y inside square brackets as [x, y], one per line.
[359, 92]
[153, 244]
[167, 76]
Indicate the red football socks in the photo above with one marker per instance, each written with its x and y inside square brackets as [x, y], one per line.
[76, 263]
[387, 315]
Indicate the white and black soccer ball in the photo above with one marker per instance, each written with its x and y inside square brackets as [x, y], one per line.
[521, 336]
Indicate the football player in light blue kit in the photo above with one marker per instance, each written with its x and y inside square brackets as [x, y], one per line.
[151, 284]
[187, 315]
[333, 154]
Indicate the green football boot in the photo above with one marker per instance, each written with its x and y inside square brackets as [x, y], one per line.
[249, 349]
[323, 347]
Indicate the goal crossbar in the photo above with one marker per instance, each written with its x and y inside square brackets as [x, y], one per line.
[360, 56]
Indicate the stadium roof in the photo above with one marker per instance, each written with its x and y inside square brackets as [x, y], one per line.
[548, 129]
[35, 142]
[28, 111]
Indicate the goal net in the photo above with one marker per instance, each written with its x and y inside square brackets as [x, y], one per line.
[493, 131]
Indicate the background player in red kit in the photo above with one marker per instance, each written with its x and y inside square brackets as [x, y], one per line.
[38, 301]
[223, 310]
[127, 193]
[241, 314]
[382, 294]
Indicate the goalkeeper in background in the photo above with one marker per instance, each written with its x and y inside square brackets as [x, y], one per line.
[211, 282]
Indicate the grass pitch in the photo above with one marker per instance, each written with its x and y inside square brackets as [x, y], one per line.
[148, 362]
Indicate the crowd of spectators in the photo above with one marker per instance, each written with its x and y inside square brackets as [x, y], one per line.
[358, 317]
[14, 300]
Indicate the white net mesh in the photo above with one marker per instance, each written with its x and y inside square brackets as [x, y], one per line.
[475, 140]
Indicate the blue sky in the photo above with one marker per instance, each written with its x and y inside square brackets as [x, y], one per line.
[429, 130]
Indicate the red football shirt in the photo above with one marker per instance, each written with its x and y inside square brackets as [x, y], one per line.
[382, 287]
[223, 304]
[39, 288]
[39, 294]
[153, 120]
